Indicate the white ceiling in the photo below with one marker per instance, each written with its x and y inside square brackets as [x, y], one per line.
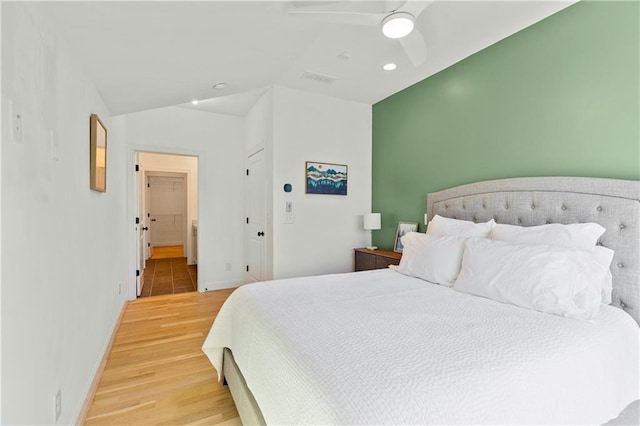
[151, 54]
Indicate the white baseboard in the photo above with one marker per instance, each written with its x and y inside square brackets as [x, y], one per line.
[82, 416]
[219, 285]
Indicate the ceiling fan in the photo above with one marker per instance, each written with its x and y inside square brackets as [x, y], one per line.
[396, 21]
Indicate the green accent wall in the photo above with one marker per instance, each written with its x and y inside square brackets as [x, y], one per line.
[560, 98]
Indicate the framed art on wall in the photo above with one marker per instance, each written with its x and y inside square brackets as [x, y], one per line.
[98, 154]
[326, 178]
[403, 228]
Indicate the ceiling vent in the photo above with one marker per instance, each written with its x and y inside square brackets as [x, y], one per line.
[317, 77]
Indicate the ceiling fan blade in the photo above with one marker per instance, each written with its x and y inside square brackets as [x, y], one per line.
[352, 18]
[415, 47]
[393, 5]
[415, 7]
[376, 6]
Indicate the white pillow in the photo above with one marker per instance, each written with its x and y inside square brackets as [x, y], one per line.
[432, 258]
[558, 280]
[579, 235]
[460, 228]
[606, 288]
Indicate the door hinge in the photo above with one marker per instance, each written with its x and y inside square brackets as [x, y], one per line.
[137, 220]
[247, 268]
[137, 272]
[148, 214]
[148, 185]
[247, 172]
[247, 220]
[148, 244]
[137, 168]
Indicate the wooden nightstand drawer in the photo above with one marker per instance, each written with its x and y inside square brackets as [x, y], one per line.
[366, 260]
[384, 261]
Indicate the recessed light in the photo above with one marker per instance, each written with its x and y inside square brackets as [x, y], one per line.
[398, 25]
[195, 102]
[221, 85]
[389, 67]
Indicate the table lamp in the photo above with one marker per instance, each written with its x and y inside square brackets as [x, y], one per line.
[372, 222]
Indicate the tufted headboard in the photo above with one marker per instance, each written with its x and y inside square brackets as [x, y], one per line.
[613, 203]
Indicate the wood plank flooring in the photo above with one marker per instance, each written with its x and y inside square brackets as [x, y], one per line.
[156, 373]
[167, 252]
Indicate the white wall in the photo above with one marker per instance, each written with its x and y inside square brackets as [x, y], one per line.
[62, 259]
[326, 228]
[217, 141]
[178, 164]
[293, 127]
[2, 136]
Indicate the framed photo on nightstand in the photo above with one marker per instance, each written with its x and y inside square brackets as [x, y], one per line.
[403, 228]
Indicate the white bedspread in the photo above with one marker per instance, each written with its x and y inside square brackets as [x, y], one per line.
[378, 347]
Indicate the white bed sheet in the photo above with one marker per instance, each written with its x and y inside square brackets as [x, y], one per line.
[378, 347]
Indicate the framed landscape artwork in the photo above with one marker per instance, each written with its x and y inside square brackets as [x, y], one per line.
[326, 178]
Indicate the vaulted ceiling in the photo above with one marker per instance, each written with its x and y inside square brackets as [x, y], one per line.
[148, 54]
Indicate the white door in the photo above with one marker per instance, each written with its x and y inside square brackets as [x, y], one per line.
[145, 213]
[256, 222]
[140, 226]
[167, 210]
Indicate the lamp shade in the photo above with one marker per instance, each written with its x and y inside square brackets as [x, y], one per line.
[372, 221]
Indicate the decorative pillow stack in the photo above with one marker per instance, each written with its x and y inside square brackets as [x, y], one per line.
[436, 256]
[553, 268]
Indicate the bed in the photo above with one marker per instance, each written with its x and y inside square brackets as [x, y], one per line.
[380, 347]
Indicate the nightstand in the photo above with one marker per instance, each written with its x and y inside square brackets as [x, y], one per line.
[366, 259]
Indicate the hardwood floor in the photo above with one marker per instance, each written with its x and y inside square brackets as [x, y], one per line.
[167, 252]
[156, 372]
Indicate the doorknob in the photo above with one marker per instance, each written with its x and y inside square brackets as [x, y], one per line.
[144, 228]
[153, 220]
[260, 234]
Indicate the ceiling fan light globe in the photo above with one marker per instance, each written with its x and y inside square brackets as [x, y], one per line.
[398, 25]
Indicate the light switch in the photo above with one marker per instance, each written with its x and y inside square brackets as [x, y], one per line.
[17, 128]
[15, 121]
[288, 207]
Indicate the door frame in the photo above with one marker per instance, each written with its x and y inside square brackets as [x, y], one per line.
[141, 258]
[132, 200]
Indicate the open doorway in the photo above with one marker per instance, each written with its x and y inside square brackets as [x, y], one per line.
[168, 209]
